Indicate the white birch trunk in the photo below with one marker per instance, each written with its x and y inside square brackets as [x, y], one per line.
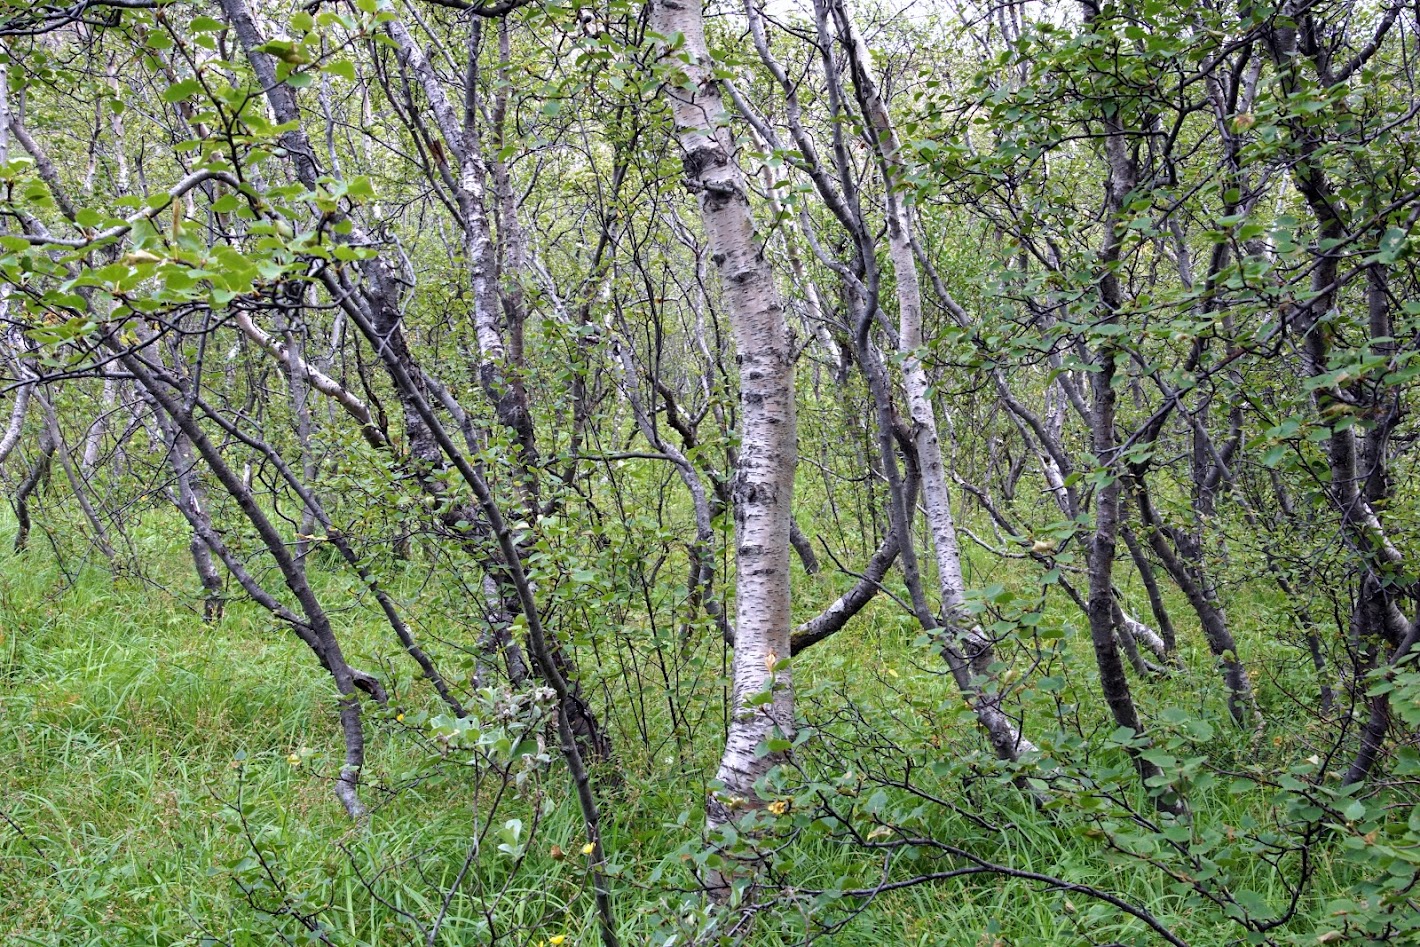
[12, 339]
[478, 239]
[936, 497]
[1054, 476]
[305, 372]
[1144, 633]
[764, 482]
[93, 443]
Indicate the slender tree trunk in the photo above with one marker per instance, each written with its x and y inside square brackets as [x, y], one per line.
[964, 635]
[93, 442]
[1122, 175]
[23, 391]
[39, 468]
[77, 484]
[315, 629]
[1145, 569]
[764, 482]
[1241, 701]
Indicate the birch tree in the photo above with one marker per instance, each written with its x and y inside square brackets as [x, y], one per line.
[762, 702]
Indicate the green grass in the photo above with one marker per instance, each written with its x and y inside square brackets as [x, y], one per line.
[129, 728]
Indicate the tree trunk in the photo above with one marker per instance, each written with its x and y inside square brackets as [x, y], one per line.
[764, 481]
[964, 636]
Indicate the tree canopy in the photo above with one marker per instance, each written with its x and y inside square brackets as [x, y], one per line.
[584, 471]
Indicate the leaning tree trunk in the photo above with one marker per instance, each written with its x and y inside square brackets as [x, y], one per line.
[315, 630]
[21, 500]
[1241, 701]
[764, 481]
[969, 649]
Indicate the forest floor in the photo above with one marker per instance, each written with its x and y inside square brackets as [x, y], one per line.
[167, 782]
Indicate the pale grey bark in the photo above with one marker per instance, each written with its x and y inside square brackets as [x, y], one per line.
[23, 391]
[296, 365]
[500, 383]
[93, 441]
[764, 481]
[1142, 632]
[16, 427]
[976, 646]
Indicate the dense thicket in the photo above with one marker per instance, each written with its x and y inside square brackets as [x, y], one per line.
[718, 472]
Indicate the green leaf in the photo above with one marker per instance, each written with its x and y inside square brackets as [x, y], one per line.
[181, 90]
[343, 68]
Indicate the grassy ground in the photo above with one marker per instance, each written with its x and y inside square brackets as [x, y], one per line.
[148, 756]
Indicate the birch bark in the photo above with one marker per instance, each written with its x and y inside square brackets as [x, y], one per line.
[977, 648]
[764, 481]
